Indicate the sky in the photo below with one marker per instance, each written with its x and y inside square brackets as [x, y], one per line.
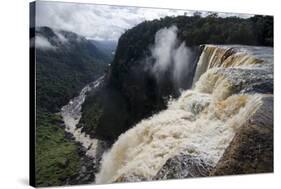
[101, 22]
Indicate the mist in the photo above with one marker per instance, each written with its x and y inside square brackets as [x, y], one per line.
[43, 43]
[171, 56]
[61, 37]
[163, 49]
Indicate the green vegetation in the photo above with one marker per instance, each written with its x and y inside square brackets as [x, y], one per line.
[101, 111]
[196, 30]
[56, 157]
[61, 72]
[92, 116]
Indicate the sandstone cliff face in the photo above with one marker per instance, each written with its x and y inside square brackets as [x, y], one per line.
[251, 150]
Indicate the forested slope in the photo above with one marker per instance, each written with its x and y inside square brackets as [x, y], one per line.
[65, 62]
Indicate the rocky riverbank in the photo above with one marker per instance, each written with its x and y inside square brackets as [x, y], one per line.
[87, 165]
[89, 149]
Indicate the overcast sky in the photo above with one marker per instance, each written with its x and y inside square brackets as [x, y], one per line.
[100, 22]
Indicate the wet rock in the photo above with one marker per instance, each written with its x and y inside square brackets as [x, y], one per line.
[251, 150]
[86, 172]
[183, 166]
[89, 166]
[251, 80]
[81, 150]
[69, 136]
[83, 169]
[131, 178]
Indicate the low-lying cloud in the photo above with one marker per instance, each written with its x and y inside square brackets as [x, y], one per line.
[61, 37]
[43, 43]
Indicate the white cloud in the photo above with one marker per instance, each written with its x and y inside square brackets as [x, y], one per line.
[97, 21]
[43, 43]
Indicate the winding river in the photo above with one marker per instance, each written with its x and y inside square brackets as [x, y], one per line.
[71, 114]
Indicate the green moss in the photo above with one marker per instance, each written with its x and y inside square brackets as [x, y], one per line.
[56, 157]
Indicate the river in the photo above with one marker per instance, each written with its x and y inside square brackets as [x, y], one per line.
[71, 114]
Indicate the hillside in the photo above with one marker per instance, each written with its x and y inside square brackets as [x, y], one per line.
[65, 62]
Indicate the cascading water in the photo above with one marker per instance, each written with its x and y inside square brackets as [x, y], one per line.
[71, 114]
[224, 56]
[228, 87]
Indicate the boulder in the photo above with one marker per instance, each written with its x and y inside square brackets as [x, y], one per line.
[183, 166]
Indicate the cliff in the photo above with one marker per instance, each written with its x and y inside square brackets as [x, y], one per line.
[131, 87]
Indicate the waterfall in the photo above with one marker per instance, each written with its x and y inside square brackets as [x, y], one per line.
[227, 56]
[201, 122]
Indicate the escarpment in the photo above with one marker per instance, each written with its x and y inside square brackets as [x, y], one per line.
[131, 86]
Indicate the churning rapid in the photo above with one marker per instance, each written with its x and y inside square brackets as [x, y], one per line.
[228, 87]
[71, 114]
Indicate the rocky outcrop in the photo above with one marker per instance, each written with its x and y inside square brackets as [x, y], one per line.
[251, 150]
[179, 167]
[183, 166]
